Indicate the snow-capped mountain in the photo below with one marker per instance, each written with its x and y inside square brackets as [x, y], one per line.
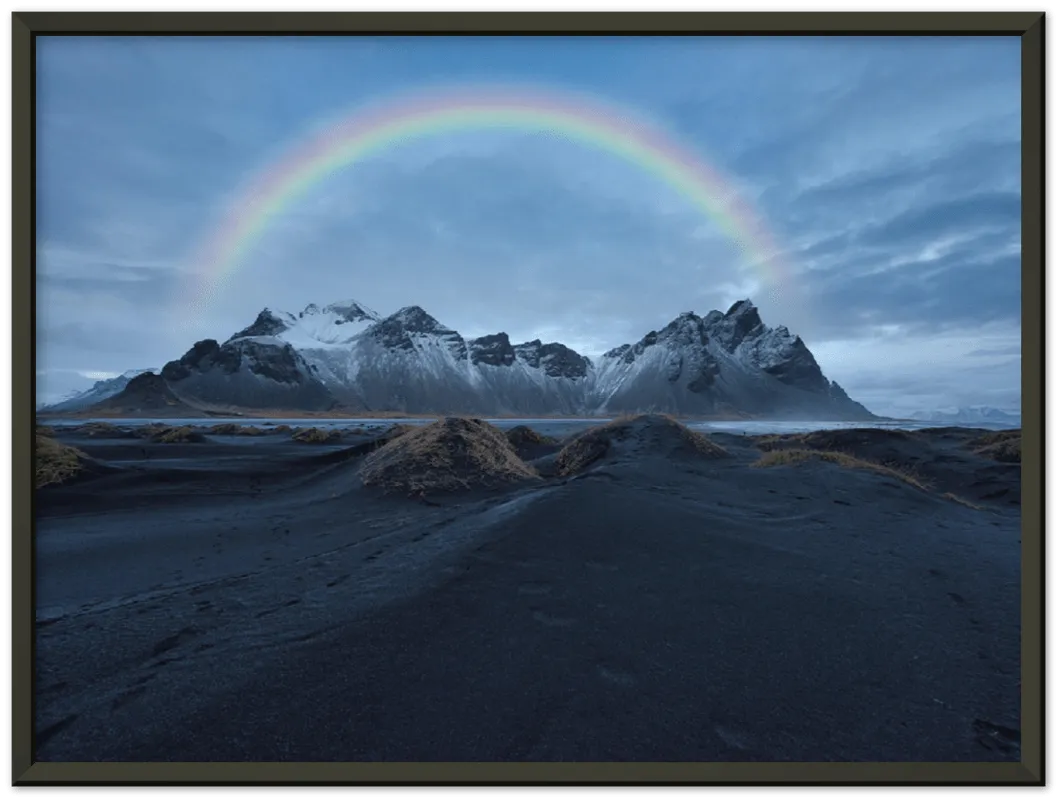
[970, 415]
[345, 355]
[720, 363]
[100, 390]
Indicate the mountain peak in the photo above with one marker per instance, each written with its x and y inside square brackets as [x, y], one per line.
[268, 323]
[741, 307]
[352, 310]
[414, 318]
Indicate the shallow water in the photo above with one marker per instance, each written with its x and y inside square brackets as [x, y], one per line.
[547, 426]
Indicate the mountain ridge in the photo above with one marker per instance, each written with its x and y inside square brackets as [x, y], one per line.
[346, 356]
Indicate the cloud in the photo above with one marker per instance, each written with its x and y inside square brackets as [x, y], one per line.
[887, 169]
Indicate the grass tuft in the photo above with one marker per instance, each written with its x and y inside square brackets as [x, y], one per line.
[963, 502]
[1003, 446]
[55, 462]
[317, 436]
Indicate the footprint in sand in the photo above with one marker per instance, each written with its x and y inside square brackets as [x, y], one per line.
[535, 588]
[173, 641]
[552, 621]
[603, 566]
[997, 737]
[615, 676]
[731, 738]
[127, 696]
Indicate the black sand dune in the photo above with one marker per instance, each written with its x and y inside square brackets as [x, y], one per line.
[959, 461]
[250, 599]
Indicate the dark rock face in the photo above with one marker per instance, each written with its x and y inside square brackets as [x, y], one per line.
[739, 323]
[202, 356]
[557, 360]
[398, 331]
[266, 324]
[494, 350]
[249, 373]
[149, 389]
[800, 369]
[145, 393]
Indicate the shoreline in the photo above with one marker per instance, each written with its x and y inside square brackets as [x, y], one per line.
[326, 416]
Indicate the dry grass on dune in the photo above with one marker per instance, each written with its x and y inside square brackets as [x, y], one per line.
[1004, 446]
[45, 430]
[94, 429]
[583, 450]
[178, 435]
[451, 454]
[149, 431]
[957, 499]
[56, 462]
[232, 429]
[833, 440]
[793, 456]
[316, 436]
[648, 429]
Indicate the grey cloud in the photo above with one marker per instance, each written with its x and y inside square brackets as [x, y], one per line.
[922, 225]
[985, 352]
[958, 294]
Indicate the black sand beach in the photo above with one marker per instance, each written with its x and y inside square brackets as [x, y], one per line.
[248, 598]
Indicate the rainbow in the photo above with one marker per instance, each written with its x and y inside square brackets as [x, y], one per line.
[369, 131]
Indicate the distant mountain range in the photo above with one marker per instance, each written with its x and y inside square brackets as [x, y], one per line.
[344, 356]
[100, 390]
[969, 415]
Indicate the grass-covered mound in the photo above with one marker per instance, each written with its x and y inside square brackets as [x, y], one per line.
[57, 462]
[451, 454]
[102, 430]
[317, 436]
[149, 431]
[177, 435]
[635, 435]
[1004, 446]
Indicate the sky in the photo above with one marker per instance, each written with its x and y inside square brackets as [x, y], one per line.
[884, 170]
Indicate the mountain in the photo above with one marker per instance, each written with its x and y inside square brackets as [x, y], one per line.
[99, 391]
[147, 394]
[720, 363]
[970, 415]
[346, 356]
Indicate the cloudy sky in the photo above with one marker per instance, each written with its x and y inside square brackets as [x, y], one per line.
[885, 170]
